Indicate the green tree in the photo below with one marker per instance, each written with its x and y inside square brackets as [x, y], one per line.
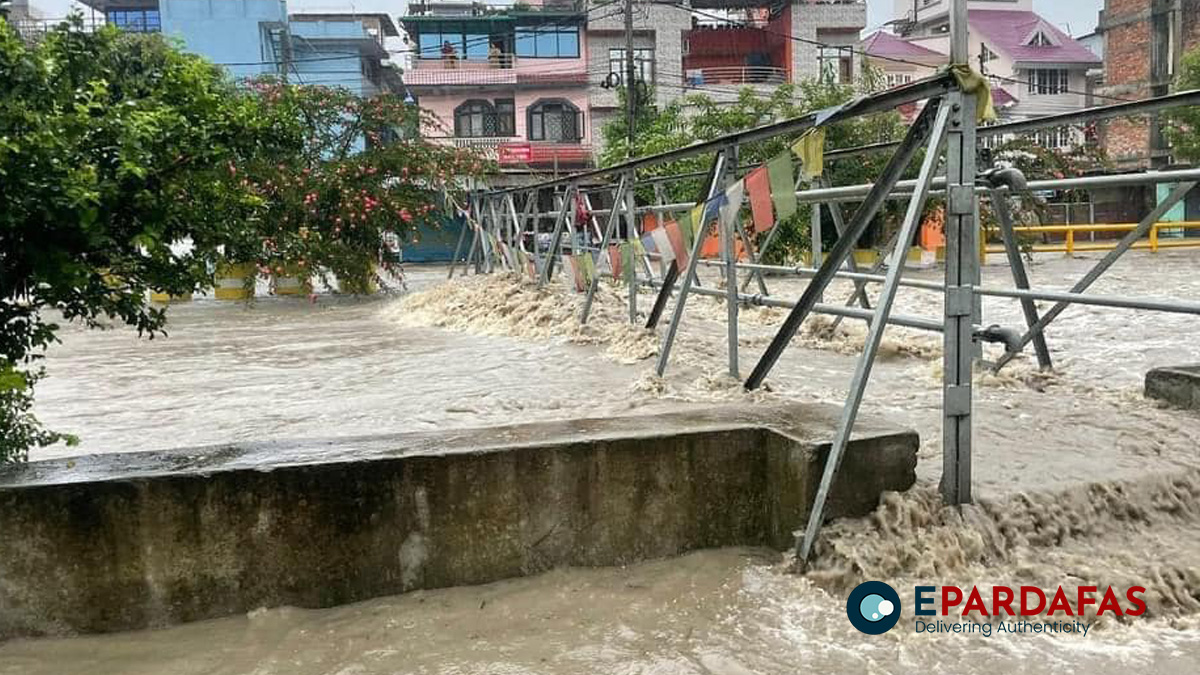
[352, 172]
[113, 146]
[697, 117]
[1183, 124]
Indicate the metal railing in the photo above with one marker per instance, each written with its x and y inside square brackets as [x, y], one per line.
[717, 75]
[1069, 246]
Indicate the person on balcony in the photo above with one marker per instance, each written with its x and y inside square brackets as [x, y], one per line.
[495, 58]
[449, 55]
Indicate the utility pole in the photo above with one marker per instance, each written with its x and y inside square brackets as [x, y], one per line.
[631, 88]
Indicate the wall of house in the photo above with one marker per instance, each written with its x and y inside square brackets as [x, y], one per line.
[1130, 68]
[320, 55]
[837, 24]
[443, 105]
[924, 10]
[659, 26]
[225, 31]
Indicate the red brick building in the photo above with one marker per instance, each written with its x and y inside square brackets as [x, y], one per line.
[1144, 41]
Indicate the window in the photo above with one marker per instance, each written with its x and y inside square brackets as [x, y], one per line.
[506, 117]
[1039, 39]
[555, 120]
[474, 119]
[836, 64]
[478, 118]
[470, 40]
[897, 79]
[986, 55]
[135, 20]
[643, 64]
[548, 42]
[1057, 138]
[1047, 81]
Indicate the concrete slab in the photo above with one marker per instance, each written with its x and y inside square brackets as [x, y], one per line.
[1178, 385]
[124, 541]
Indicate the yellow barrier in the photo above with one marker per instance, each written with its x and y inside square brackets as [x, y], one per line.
[1069, 246]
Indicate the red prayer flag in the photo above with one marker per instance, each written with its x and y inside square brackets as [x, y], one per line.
[676, 237]
[614, 260]
[758, 184]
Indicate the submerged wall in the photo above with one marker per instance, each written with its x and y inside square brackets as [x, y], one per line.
[117, 542]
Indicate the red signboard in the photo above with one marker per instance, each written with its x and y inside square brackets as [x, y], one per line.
[514, 153]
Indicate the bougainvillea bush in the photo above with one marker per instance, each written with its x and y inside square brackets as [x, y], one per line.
[357, 172]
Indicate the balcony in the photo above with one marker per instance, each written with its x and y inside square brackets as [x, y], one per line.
[499, 70]
[525, 153]
[486, 146]
[736, 75]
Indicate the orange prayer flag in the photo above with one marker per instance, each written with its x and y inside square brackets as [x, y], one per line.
[758, 184]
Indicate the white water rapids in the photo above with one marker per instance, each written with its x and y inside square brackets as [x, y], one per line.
[1080, 479]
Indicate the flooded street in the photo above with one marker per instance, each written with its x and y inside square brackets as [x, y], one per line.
[1079, 478]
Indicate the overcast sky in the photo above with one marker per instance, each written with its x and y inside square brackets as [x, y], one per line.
[1077, 17]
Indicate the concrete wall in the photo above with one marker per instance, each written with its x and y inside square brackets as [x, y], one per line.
[835, 24]
[117, 542]
[224, 31]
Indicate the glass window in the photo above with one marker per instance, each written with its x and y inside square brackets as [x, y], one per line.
[135, 20]
[476, 46]
[474, 119]
[431, 45]
[1048, 81]
[506, 117]
[568, 43]
[643, 63]
[557, 121]
[548, 42]
[526, 43]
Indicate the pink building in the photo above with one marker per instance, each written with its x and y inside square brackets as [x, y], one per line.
[510, 81]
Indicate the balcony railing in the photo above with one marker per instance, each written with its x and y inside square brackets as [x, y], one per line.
[500, 69]
[717, 75]
[484, 145]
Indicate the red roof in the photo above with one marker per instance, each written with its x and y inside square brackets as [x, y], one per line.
[886, 45]
[1008, 31]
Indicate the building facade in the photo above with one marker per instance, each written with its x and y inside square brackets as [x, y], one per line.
[1144, 42]
[510, 81]
[1035, 68]
[251, 38]
[535, 83]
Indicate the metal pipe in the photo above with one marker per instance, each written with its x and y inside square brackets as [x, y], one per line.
[903, 189]
[906, 320]
[1118, 301]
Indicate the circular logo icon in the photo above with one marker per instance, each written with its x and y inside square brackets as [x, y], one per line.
[873, 607]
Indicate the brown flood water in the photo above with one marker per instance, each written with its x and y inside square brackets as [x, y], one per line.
[1080, 479]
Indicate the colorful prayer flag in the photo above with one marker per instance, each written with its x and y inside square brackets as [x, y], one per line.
[758, 185]
[733, 196]
[810, 148]
[614, 260]
[783, 186]
[675, 239]
[589, 268]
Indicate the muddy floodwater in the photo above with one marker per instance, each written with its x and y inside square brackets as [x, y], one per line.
[1080, 480]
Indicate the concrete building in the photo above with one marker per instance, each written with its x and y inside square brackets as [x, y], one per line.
[257, 37]
[477, 68]
[1036, 69]
[1144, 41]
[511, 81]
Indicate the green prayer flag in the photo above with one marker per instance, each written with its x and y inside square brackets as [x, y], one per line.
[971, 82]
[589, 268]
[783, 185]
[627, 261]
